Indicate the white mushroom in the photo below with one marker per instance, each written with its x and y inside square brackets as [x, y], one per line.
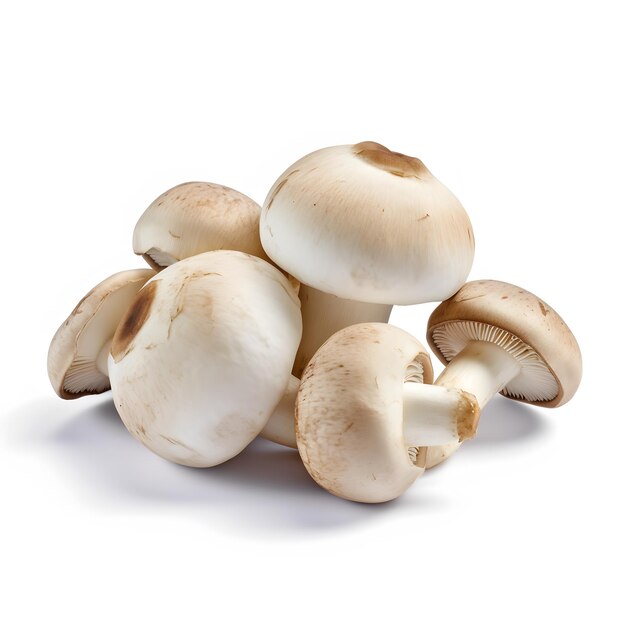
[497, 337]
[360, 433]
[204, 355]
[77, 357]
[197, 217]
[363, 228]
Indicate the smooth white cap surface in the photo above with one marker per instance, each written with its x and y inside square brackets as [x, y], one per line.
[367, 224]
[204, 356]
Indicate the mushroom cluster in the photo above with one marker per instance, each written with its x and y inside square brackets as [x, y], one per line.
[273, 322]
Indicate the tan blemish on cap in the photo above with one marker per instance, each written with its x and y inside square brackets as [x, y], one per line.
[132, 322]
[395, 163]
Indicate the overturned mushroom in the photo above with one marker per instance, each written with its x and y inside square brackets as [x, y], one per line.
[77, 357]
[359, 430]
[496, 337]
[363, 228]
[197, 217]
[203, 356]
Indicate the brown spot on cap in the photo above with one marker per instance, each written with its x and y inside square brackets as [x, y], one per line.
[133, 320]
[395, 163]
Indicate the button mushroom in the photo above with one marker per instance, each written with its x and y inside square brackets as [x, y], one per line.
[204, 354]
[496, 337]
[77, 357]
[363, 228]
[359, 430]
[197, 217]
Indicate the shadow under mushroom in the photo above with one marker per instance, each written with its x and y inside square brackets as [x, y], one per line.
[264, 489]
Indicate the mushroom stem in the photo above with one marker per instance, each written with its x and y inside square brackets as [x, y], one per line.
[324, 314]
[435, 416]
[280, 427]
[102, 360]
[482, 368]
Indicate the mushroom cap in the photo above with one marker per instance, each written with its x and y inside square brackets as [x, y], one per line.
[197, 217]
[204, 355]
[367, 224]
[75, 347]
[349, 412]
[523, 324]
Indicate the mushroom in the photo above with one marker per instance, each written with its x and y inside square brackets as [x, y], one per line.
[360, 433]
[204, 354]
[77, 357]
[197, 217]
[497, 337]
[363, 228]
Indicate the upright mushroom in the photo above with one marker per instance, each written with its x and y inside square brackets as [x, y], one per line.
[363, 228]
[204, 354]
[197, 217]
[78, 353]
[497, 337]
[360, 432]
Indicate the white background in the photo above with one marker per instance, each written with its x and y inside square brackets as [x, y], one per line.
[517, 107]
